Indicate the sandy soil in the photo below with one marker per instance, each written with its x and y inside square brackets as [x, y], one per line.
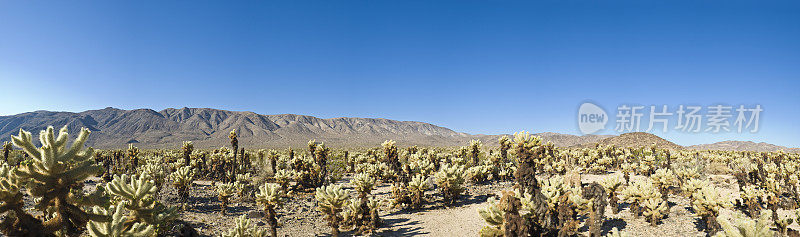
[299, 217]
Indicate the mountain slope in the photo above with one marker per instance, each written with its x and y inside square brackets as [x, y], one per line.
[113, 128]
[742, 146]
[637, 139]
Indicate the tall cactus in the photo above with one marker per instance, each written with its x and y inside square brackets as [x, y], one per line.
[505, 144]
[475, 150]
[52, 173]
[187, 148]
[271, 196]
[6, 150]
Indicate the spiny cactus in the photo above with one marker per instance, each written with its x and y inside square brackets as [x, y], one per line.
[480, 174]
[637, 193]
[283, 177]
[741, 226]
[612, 185]
[331, 199]
[707, 202]
[187, 148]
[271, 196]
[475, 151]
[182, 180]
[6, 150]
[655, 209]
[505, 144]
[450, 180]
[273, 155]
[52, 173]
[417, 188]
[133, 157]
[615, 232]
[503, 217]
[783, 222]
[752, 195]
[137, 193]
[528, 151]
[225, 191]
[119, 225]
[363, 183]
[664, 179]
[391, 156]
[245, 228]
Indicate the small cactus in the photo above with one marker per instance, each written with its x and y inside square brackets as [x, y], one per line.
[245, 228]
[271, 196]
[225, 191]
[417, 187]
[741, 226]
[182, 180]
[118, 226]
[655, 209]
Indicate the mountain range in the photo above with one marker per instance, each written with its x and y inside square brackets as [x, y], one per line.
[208, 128]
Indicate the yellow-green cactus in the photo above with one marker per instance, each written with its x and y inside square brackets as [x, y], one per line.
[52, 172]
[331, 199]
[450, 179]
[741, 226]
[245, 228]
[137, 193]
[225, 191]
[271, 196]
[118, 226]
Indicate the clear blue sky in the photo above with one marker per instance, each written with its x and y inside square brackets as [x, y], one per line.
[474, 66]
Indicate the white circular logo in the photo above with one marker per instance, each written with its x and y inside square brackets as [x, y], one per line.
[591, 118]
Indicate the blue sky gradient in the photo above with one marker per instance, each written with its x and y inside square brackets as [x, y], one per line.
[473, 66]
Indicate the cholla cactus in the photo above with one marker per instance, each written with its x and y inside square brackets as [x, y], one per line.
[751, 196]
[154, 169]
[691, 186]
[245, 228]
[655, 209]
[6, 150]
[664, 179]
[118, 226]
[493, 216]
[706, 204]
[480, 174]
[741, 226]
[53, 172]
[331, 199]
[505, 144]
[363, 183]
[182, 180]
[450, 180]
[617, 233]
[137, 193]
[783, 222]
[133, 156]
[283, 177]
[273, 155]
[225, 191]
[417, 188]
[187, 148]
[528, 150]
[612, 185]
[475, 151]
[271, 196]
[637, 193]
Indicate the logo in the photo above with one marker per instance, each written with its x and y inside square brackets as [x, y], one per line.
[591, 118]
